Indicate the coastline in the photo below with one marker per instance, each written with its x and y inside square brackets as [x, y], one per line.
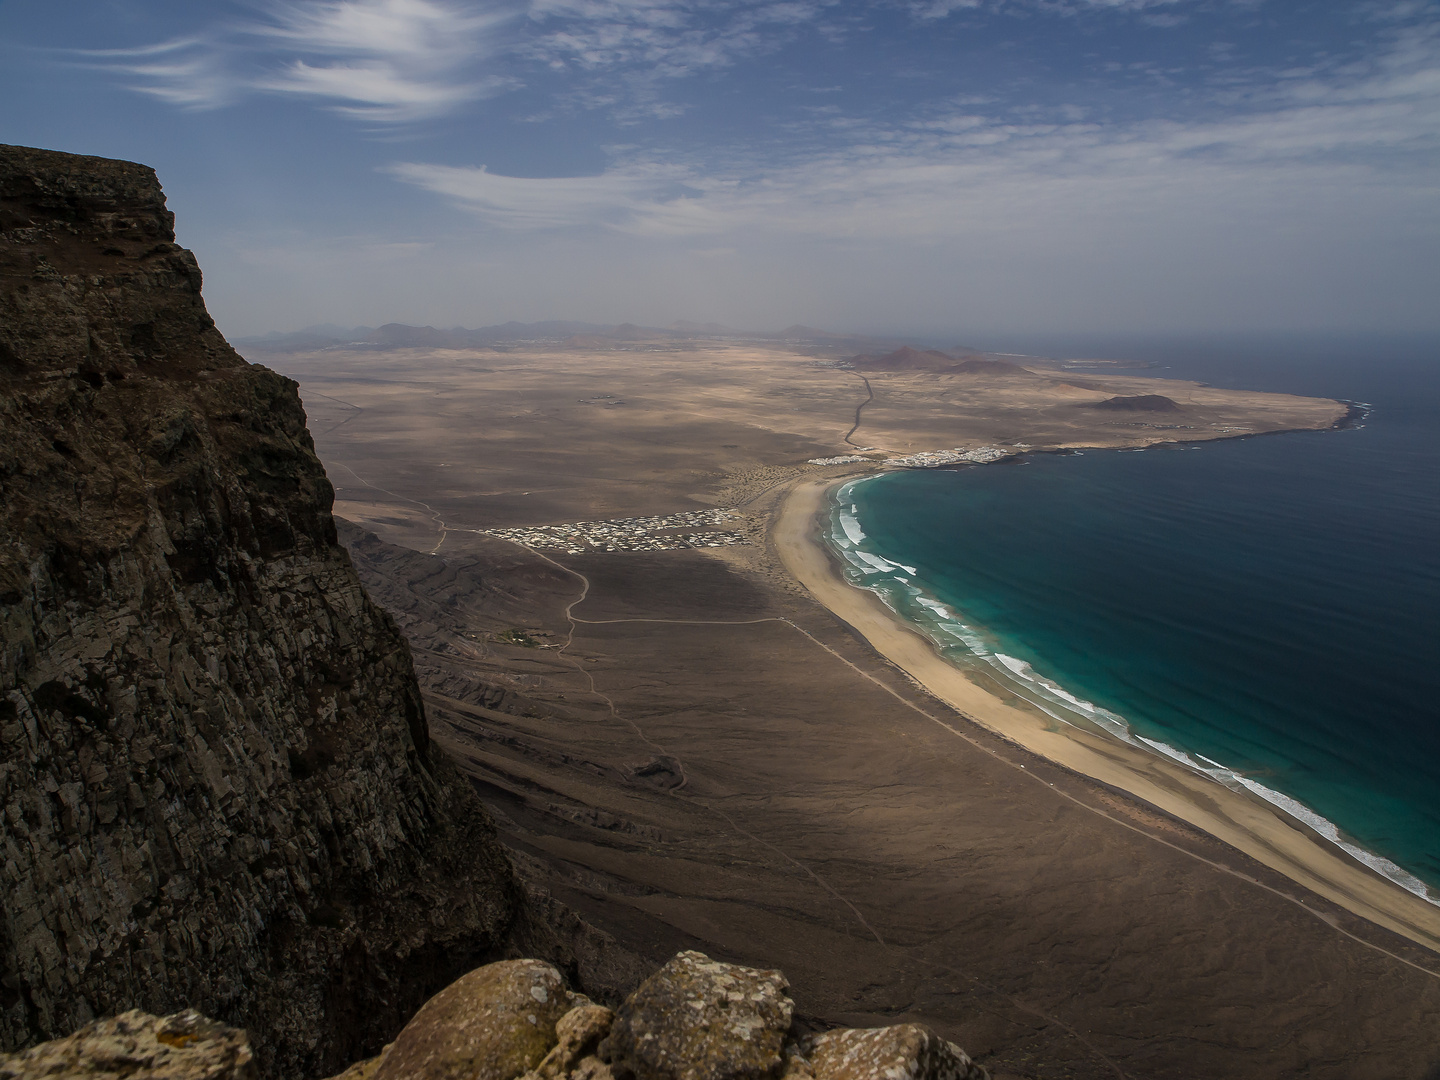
[1247, 823]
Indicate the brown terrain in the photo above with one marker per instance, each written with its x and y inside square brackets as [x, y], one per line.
[691, 752]
[492, 438]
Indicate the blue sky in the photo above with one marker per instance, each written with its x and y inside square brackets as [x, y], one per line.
[925, 166]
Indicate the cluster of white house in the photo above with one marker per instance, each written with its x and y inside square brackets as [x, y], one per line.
[629, 534]
[929, 459]
[926, 459]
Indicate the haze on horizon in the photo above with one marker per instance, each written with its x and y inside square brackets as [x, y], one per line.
[942, 166]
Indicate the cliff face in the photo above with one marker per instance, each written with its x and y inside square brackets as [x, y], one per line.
[217, 783]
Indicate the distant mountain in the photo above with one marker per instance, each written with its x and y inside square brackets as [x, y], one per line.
[404, 336]
[907, 358]
[714, 329]
[1138, 403]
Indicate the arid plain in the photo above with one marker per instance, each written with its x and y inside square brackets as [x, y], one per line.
[687, 748]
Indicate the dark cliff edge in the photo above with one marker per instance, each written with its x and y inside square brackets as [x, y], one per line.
[217, 781]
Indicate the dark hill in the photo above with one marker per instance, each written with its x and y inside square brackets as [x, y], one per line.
[1138, 403]
[908, 358]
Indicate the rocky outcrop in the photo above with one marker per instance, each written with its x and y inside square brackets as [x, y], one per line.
[694, 1019]
[186, 1046]
[498, 1020]
[698, 1019]
[217, 782]
[902, 1052]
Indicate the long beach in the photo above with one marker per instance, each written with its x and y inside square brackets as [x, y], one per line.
[1245, 822]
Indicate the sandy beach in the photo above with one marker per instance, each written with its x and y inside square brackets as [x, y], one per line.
[1247, 823]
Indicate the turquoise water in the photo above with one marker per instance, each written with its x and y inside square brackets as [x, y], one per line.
[1264, 610]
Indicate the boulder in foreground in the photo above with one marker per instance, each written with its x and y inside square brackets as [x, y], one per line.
[694, 1019]
[495, 1023]
[697, 1019]
[138, 1046]
[902, 1052]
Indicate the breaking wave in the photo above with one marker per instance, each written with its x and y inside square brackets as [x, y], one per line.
[972, 647]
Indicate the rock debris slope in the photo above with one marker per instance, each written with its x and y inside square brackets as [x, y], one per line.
[217, 782]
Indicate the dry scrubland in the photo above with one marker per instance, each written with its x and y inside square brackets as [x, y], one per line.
[493, 439]
[691, 752]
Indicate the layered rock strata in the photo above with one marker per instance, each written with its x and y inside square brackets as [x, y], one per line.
[217, 782]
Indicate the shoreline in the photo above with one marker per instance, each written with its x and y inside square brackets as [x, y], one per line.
[1247, 823]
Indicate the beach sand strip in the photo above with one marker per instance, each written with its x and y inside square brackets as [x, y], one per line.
[1247, 823]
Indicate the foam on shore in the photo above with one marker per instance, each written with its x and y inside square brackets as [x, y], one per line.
[972, 648]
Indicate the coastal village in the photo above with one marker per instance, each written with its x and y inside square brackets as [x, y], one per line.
[928, 459]
[931, 459]
[665, 532]
[653, 533]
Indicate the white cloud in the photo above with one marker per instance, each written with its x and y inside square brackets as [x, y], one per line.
[385, 61]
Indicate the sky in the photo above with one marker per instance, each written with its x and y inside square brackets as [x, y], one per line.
[980, 167]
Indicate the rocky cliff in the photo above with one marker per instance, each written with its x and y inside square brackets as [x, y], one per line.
[217, 782]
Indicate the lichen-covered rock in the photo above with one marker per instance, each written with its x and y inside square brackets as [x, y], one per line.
[591, 1068]
[494, 1024]
[902, 1052]
[217, 787]
[698, 1019]
[577, 1035]
[138, 1046]
[796, 1067]
[361, 1070]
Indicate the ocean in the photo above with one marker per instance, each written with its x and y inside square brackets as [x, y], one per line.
[1266, 610]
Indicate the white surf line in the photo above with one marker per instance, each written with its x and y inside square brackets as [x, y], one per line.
[440, 523]
[1095, 810]
[824, 885]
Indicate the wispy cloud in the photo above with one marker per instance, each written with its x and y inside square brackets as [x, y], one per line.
[393, 61]
[185, 72]
[666, 38]
[948, 175]
[620, 198]
[385, 61]
[940, 9]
